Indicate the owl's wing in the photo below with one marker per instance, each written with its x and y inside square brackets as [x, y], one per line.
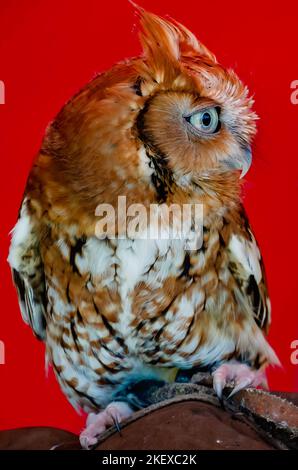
[27, 272]
[246, 265]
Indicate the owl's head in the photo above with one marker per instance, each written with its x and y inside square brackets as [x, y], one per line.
[197, 116]
[169, 118]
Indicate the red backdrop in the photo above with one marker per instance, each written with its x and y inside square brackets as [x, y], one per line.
[49, 49]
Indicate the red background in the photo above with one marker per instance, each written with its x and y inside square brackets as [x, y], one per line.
[49, 49]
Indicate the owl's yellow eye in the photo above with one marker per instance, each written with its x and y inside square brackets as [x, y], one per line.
[206, 121]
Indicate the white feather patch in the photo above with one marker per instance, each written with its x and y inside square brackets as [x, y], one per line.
[248, 255]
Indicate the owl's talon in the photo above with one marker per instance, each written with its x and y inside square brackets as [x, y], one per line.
[87, 442]
[96, 424]
[240, 374]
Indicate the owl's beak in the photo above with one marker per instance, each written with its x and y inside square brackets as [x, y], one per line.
[246, 162]
[242, 162]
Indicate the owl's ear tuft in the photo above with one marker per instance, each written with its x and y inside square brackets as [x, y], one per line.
[189, 44]
[165, 43]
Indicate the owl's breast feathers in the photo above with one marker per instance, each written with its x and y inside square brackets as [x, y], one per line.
[106, 308]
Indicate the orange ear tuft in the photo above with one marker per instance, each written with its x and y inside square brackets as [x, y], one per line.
[189, 44]
[165, 43]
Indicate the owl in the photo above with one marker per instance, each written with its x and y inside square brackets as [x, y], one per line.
[119, 312]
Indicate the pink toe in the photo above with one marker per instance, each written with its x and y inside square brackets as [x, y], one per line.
[87, 441]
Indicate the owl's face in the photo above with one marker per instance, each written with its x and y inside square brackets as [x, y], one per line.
[196, 135]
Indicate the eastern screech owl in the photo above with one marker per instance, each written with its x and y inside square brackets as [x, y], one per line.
[169, 127]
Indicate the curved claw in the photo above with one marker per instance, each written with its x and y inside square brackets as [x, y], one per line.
[117, 424]
[219, 384]
[240, 385]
